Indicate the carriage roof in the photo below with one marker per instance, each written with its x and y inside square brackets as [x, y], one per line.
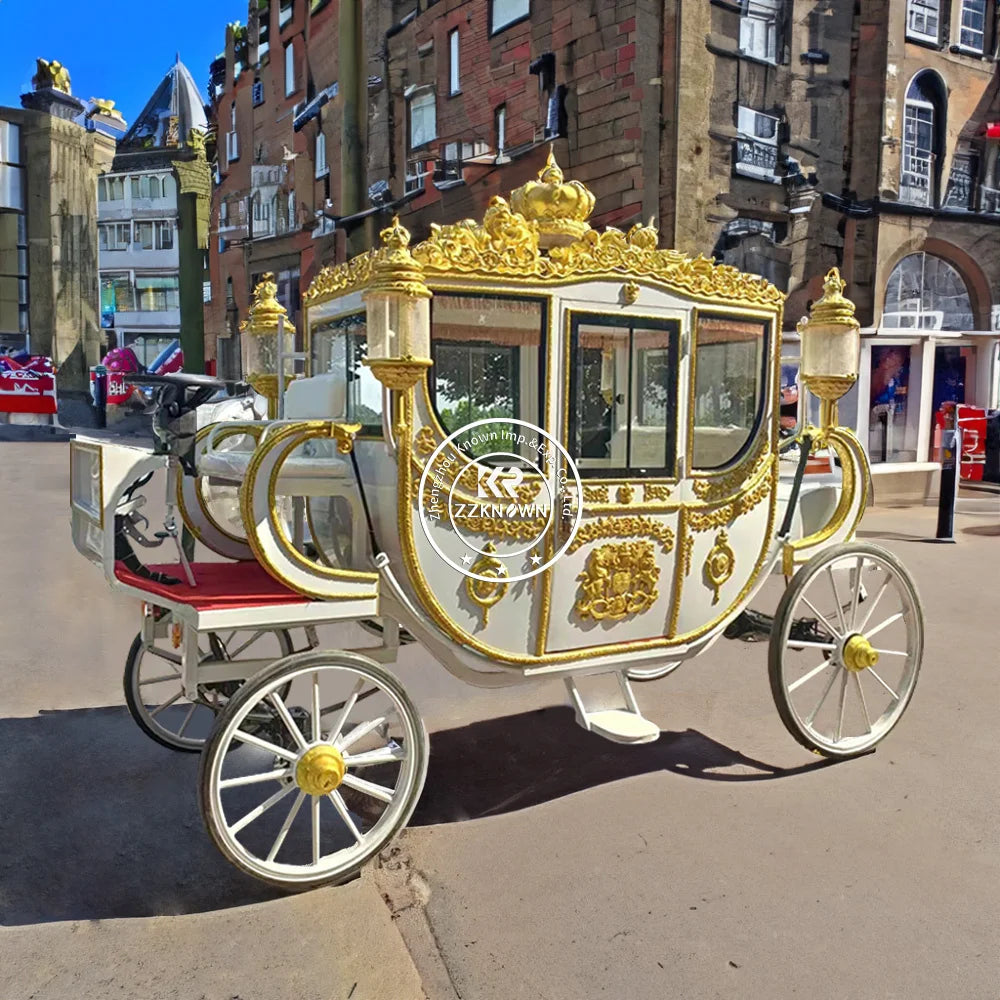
[542, 237]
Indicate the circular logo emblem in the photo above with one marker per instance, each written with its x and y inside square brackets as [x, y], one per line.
[490, 460]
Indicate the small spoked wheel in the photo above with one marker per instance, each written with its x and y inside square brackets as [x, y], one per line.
[308, 798]
[154, 692]
[652, 673]
[845, 649]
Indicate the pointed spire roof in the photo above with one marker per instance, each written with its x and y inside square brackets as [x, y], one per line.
[177, 97]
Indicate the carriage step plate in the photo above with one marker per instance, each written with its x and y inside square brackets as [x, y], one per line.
[620, 726]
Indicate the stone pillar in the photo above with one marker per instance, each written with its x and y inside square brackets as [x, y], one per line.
[194, 194]
[61, 211]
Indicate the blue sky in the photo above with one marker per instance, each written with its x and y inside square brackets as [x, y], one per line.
[114, 49]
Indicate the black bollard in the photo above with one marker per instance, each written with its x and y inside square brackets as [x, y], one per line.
[951, 451]
[101, 395]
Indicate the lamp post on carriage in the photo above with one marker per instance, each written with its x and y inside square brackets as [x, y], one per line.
[263, 354]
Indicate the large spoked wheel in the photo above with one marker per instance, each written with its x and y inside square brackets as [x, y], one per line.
[651, 673]
[154, 692]
[309, 798]
[845, 649]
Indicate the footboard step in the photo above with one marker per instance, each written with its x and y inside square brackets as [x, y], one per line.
[620, 725]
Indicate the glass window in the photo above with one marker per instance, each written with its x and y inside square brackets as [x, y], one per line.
[144, 235]
[114, 236]
[289, 69]
[285, 12]
[339, 347]
[157, 294]
[504, 12]
[116, 293]
[169, 188]
[917, 178]
[728, 387]
[501, 128]
[111, 189]
[926, 293]
[164, 236]
[973, 33]
[263, 30]
[454, 81]
[923, 18]
[322, 169]
[623, 388]
[487, 359]
[423, 119]
[758, 30]
[889, 437]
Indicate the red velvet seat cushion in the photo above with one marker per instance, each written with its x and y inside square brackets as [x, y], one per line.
[220, 585]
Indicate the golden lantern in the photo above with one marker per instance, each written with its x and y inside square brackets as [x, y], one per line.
[259, 341]
[398, 313]
[831, 347]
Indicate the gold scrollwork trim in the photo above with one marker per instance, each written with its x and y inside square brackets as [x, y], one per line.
[619, 580]
[625, 494]
[623, 527]
[484, 594]
[722, 517]
[853, 461]
[719, 564]
[655, 492]
[595, 494]
[725, 485]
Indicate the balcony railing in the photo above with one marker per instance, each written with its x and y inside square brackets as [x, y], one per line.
[758, 159]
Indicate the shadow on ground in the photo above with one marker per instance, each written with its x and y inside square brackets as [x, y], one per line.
[97, 821]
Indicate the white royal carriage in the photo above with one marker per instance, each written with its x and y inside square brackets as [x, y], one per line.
[536, 449]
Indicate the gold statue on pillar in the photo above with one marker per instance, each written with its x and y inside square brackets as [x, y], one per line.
[51, 74]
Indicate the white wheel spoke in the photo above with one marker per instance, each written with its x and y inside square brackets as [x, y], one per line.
[836, 598]
[286, 826]
[864, 704]
[359, 732]
[253, 779]
[843, 702]
[236, 652]
[889, 621]
[166, 704]
[256, 741]
[856, 596]
[829, 684]
[316, 714]
[187, 719]
[875, 600]
[341, 806]
[315, 829]
[804, 644]
[338, 725]
[161, 678]
[821, 617]
[379, 792]
[871, 670]
[261, 809]
[805, 677]
[286, 718]
[386, 755]
[892, 652]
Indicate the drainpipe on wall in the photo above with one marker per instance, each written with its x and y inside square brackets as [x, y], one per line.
[354, 94]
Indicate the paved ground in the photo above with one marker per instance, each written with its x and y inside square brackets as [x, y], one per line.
[721, 861]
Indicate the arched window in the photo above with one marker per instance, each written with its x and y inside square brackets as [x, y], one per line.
[923, 137]
[154, 187]
[926, 293]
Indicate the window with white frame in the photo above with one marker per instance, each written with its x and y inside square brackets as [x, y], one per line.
[756, 144]
[156, 293]
[289, 69]
[285, 11]
[454, 79]
[263, 31]
[759, 30]
[423, 118]
[147, 186]
[144, 235]
[505, 12]
[916, 182]
[322, 168]
[164, 235]
[973, 27]
[500, 125]
[232, 138]
[111, 189]
[923, 19]
[925, 292]
[114, 236]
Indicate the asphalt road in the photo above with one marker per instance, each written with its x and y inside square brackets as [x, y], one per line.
[542, 862]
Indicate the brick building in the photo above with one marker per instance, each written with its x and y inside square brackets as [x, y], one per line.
[782, 136]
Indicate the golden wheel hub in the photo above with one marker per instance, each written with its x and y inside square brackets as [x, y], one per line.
[859, 654]
[320, 770]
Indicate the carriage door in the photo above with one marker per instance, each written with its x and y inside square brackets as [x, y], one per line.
[623, 395]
